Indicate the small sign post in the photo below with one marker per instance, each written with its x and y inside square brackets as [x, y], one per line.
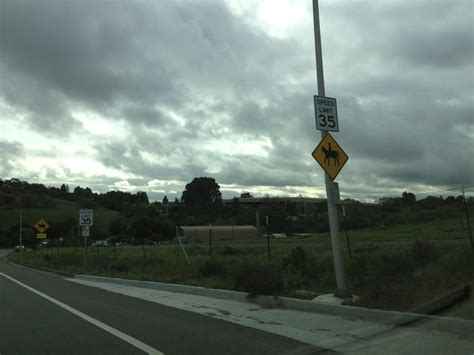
[86, 219]
[41, 226]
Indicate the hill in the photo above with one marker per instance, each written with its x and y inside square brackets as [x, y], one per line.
[62, 217]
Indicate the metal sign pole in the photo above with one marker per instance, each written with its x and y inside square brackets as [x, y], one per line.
[85, 251]
[332, 208]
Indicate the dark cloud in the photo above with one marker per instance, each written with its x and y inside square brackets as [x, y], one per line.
[191, 82]
[9, 153]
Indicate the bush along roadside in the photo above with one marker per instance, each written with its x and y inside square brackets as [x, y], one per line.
[259, 279]
[394, 277]
[404, 279]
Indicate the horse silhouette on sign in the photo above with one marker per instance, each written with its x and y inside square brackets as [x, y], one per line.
[330, 154]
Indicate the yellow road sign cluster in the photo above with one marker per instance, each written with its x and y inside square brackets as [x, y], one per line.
[330, 156]
[41, 226]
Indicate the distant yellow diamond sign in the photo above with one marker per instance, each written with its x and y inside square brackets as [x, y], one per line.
[41, 226]
[330, 156]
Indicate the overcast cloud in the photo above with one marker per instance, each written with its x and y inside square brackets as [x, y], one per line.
[146, 95]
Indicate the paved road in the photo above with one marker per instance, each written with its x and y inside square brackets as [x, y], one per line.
[45, 314]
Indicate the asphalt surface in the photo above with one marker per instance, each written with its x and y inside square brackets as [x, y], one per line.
[31, 324]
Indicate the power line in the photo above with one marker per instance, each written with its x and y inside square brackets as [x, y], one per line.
[451, 189]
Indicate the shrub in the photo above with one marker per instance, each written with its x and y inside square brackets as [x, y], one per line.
[197, 250]
[365, 269]
[121, 265]
[301, 269]
[293, 281]
[424, 252]
[258, 279]
[296, 260]
[230, 251]
[211, 268]
[396, 220]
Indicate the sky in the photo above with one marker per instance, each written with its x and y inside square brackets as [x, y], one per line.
[146, 95]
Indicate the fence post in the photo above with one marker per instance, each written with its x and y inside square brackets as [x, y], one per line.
[210, 240]
[460, 204]
[347, 232]
[468, 220]
[268, 239]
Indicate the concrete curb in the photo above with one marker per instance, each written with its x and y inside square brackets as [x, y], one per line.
[192, 290]
[390, 318]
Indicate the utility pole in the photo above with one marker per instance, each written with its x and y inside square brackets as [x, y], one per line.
[85, 249]
[467, 217]
[341, 290]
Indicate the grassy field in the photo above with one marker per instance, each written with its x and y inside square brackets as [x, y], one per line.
[401, 270]
[63, 211]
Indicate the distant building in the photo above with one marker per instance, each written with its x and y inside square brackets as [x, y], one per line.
[303, 205]
[201, 233]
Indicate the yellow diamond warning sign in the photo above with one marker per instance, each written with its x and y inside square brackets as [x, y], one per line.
[41, 226]
[330, 156]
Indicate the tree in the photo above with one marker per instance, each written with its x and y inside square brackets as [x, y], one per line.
[117, 226]
[152, 228]
[246, 195]
[202, 195]
[142, 197]
[408, 198]
[165, 200]
[450, 199]
[59, 229]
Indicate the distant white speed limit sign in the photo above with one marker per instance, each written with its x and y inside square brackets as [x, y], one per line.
[86, 217]
[325, 109]
[86, 231]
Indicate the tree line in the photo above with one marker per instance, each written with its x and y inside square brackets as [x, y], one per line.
[201, 203]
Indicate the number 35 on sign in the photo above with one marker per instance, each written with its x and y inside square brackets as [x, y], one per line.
[86, 217]
[325, 109]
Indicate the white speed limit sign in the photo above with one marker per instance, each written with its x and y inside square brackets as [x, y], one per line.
[325, 109]
[86, 217]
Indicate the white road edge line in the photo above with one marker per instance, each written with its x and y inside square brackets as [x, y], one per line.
[136, 343]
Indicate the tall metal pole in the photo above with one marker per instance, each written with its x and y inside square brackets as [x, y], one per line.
[85, 250]
[332, 208]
